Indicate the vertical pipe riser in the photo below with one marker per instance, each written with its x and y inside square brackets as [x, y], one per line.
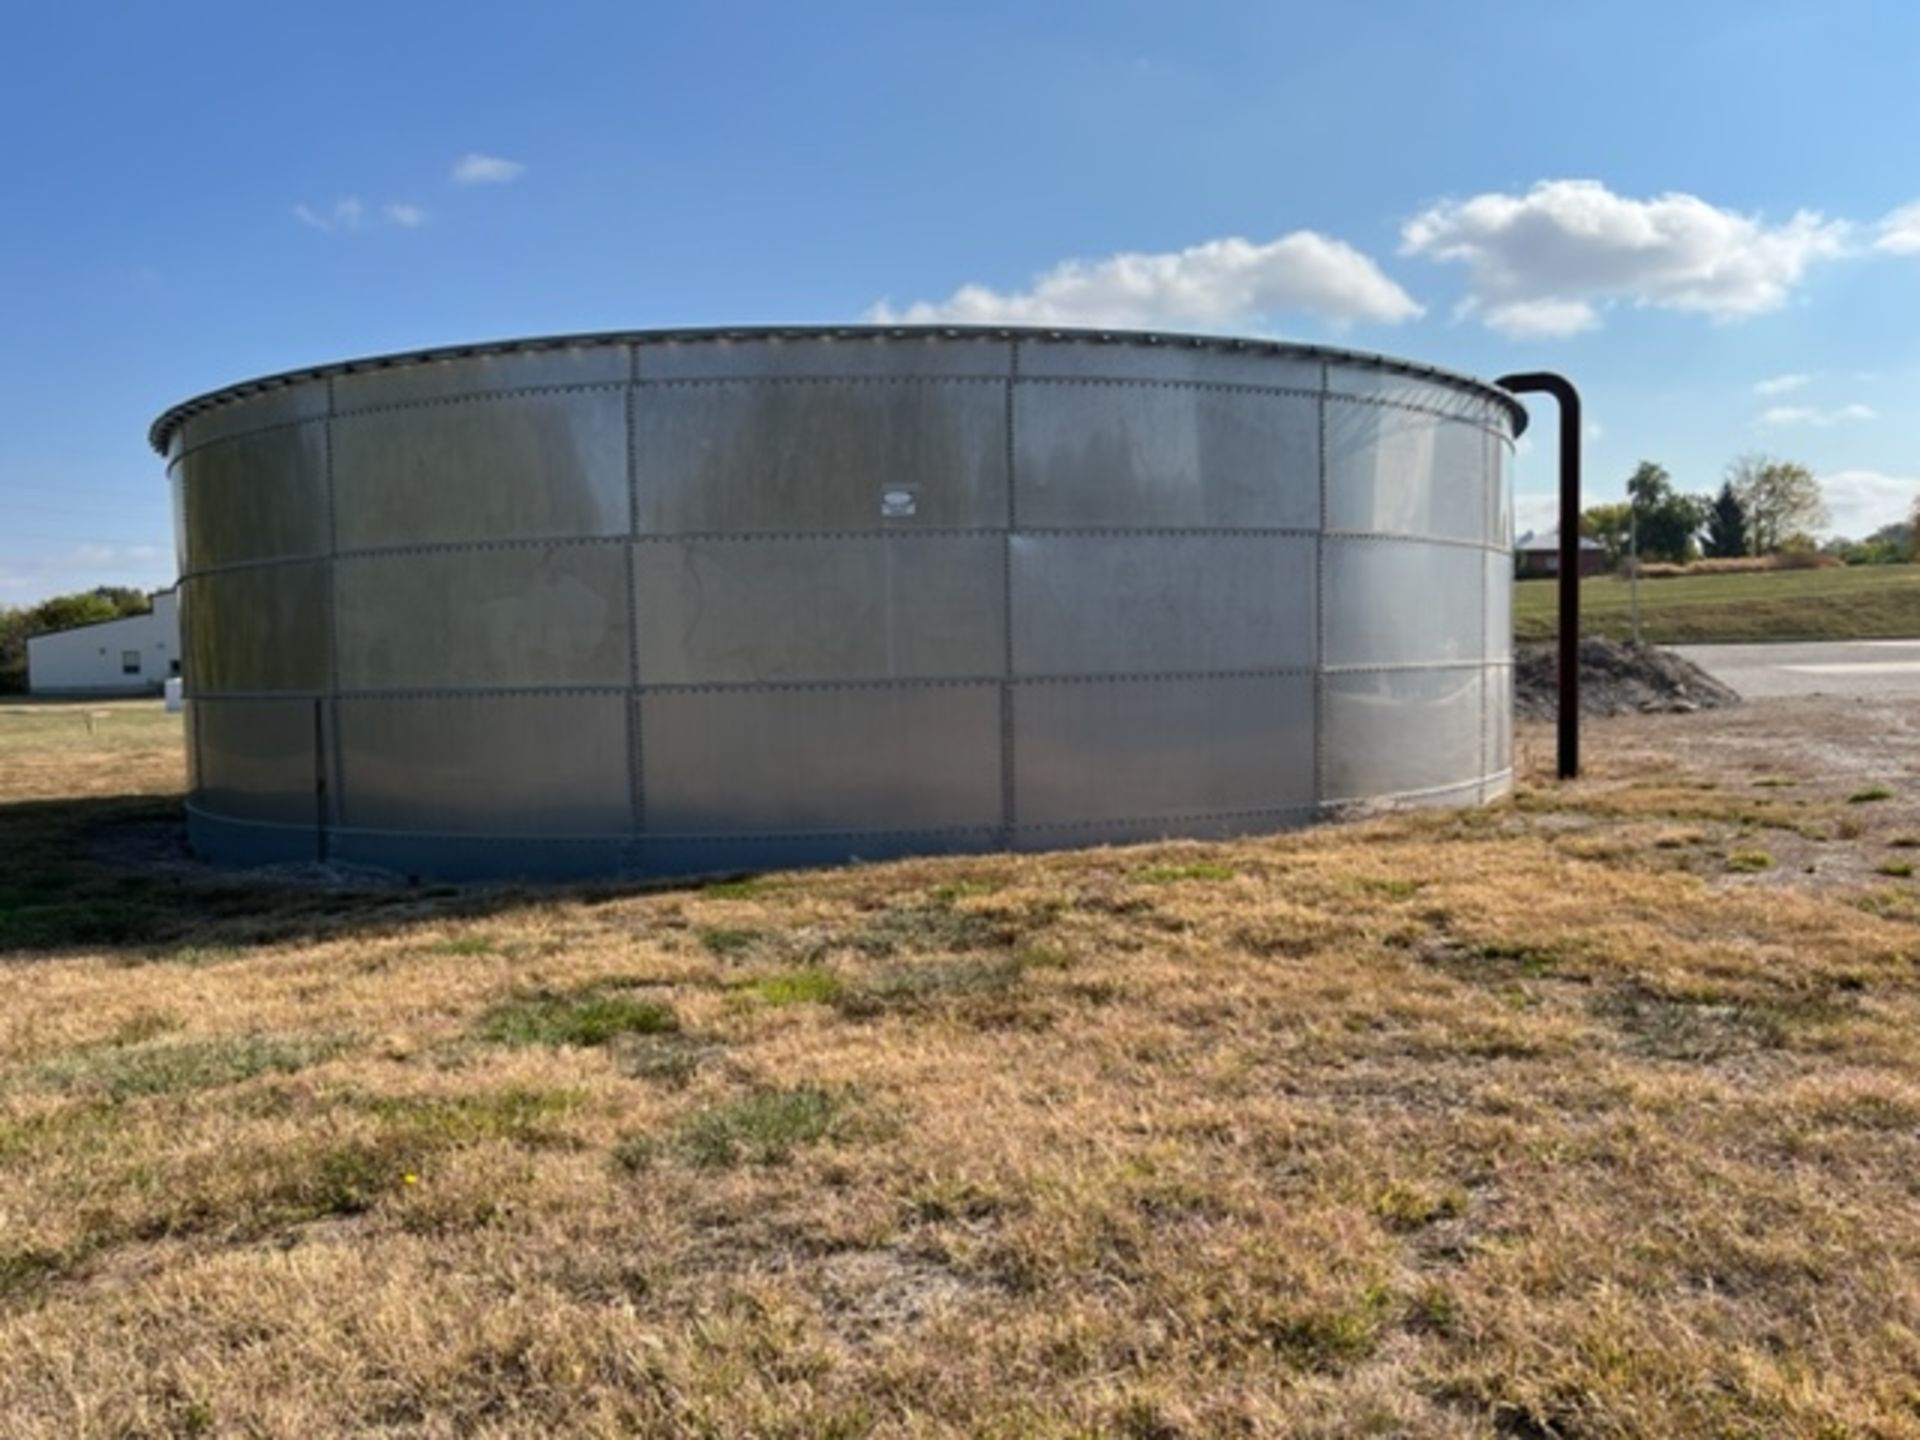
[1568, 399]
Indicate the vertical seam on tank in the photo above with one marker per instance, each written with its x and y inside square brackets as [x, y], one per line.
[336, 788]
[1486, 599]
[636, 783]
[1009, 815]
[1320, 592]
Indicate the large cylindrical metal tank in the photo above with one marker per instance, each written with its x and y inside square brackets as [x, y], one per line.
[663, 603]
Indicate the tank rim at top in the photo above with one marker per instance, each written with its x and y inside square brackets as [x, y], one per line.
[161, 433]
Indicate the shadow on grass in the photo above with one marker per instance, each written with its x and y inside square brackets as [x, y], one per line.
[113, 873]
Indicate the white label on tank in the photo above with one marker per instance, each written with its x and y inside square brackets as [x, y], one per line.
[897, 502]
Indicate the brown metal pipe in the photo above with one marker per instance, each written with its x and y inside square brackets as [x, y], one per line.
[1568, 717]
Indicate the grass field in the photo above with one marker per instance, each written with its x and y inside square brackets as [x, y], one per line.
[1866, 602]
[1584, 1115]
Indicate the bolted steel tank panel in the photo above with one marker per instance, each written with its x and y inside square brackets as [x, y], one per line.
[675, 602]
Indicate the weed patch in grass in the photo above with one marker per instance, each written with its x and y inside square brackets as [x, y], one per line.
[1409, 1205]
[946, 896]
[762, 1127]
[464, 945]
[671, 1059]
[728, 941]
[434, 1122]
[1869, 795]
[1749, 862]
[24, 1271]
[1193, 870]
[905, 986]
[1775, 782]
[1903, 842]
[748, 887]
[811, 985]
[934, 926]
[1898, 869]
[1388, 888]
[124, 1072]
[1332, 1338]
[589, 1016]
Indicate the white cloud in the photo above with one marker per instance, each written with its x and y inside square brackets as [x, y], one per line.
[346, 214]
[1812, 415]
[1537, 319]
[1859, 502]
[474, 168]
[1220, 282]
[1543, 262]
[1900, 231]
[1780, 384]
[1536, 513]
[95, 553]
[351, 213]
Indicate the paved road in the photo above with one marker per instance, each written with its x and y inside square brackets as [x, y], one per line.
[1878, 668]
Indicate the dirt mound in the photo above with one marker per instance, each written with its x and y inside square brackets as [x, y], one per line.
[1616, 678]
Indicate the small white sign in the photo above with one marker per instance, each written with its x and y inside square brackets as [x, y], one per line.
[897, 502]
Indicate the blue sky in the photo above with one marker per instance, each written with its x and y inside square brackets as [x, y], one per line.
[1673, 204]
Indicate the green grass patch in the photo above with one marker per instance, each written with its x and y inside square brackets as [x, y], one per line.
[747, 888]
[810, 985]
[1193, 870]
[1869, 795]
[431, 1122]
[124, 1072]
[1853, 603]
[1749, 862]
[1899, 869]
[1408, 1205]
[762, 1127]
[728, 941]
[1389, 888]
[589, 1016]
[463, 945]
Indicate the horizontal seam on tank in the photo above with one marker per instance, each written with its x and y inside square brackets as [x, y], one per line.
[1184, 818]
[574, 387]
[1250, 388]
[163, 428]
[612, 837]
[265, 562]
[1384, 402]
[881, 682]
[670, 382]
[469, 397]
[187, 451]
[630, 841]
[1424, 793]
[1395, 667]
[890, 532]
[248, 695]
[1047, 532]
[1451, 541]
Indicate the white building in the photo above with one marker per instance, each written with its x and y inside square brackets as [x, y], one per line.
[133, 655]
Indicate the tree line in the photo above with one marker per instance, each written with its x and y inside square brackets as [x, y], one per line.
[19, 623]
[1764, 506]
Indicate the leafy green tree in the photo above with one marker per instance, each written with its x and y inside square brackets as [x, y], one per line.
[1782, 500]
[124, 598]
[1667, 521]
[18, 624]
[1726, 525]
[1609, 524]
[63, 612]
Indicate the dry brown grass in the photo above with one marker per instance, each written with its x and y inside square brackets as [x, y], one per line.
[1535, 1121]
